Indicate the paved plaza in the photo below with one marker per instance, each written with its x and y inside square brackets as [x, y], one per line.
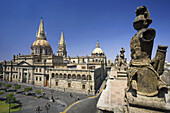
[30, 103]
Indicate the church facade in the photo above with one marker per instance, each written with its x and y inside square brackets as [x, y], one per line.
[42, 67]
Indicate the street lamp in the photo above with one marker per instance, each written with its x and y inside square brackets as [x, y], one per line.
[47, 107]
[52, 91]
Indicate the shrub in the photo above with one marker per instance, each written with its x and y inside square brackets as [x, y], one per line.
[37, 91]
[8, 85]
[27, 89]
[1, 84]
[2, 92]
[17, 87]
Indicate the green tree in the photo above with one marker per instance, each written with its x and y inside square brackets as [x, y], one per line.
[111, 64]
[16, 87]
[27, 89]
[1, 84]
[8, 86]
[10, 98]
[2, 92]
[1, 70]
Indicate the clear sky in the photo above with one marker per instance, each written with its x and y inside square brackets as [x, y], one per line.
[83, 22]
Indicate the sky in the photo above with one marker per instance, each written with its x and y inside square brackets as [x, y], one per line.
[83, 23]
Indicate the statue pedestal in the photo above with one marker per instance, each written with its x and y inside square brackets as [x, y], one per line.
[143, 104]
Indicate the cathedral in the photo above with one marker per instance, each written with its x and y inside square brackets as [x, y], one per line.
[82, 74]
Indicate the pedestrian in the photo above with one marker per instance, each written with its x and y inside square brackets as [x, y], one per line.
[44, 93]
[78, 98]
[71, 95]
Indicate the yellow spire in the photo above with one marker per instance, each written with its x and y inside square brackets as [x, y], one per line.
[62, 39]
[97, 45]
[41, 33]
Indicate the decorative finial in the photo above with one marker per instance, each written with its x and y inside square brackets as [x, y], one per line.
[97, 45]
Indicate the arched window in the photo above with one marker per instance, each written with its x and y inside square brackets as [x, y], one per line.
[88, 77]
[56, 75]
[52, 75]
[73, 76]
[83, 86]
[83, 77]
[61, 76]
[69, 76]
[78, 77]
[36, 51]
[45, 51]
[65, 76]
[40, 51]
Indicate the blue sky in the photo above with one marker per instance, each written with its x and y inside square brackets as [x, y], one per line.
[83, 22]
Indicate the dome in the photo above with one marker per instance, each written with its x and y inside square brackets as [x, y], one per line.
[97, 50]
[40, 42]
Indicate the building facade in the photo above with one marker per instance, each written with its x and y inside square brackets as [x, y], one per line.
[42, 67]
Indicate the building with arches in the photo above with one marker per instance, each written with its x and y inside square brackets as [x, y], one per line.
[61, 72]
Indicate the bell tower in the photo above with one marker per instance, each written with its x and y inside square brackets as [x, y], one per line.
[62, 47]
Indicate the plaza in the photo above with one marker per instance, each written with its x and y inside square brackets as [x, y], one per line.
[30, 102]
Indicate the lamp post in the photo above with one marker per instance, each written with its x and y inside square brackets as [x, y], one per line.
[47, 107]
[52, 91]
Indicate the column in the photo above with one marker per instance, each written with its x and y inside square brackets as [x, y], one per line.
[4, 73]
[31, 76]
[21, 74]
[43, 74]
[28, 76]
[18, 75]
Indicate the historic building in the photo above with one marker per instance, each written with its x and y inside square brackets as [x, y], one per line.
[42, 67]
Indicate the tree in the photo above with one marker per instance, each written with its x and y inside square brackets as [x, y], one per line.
[10, 98]
[1, 84]
[7, 86]
[16, 87]
[111, 64]
[2, 92]
[27, 89]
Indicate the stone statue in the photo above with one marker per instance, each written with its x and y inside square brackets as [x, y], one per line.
[143, 78]
[120, 61]
[144, 74]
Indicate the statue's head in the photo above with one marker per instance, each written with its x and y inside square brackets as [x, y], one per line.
[143, 19]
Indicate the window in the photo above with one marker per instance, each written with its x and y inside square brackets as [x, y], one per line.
[40, 78]
[46, 51]
[78, 77]
[61, 75]
[13, 76]
[36, 78]
[40, 70]
[83, 77]
[36, 51]
[40, 51]
[52, 75]
[83, 86]
[56, 83]
[83, 67]
[36, 69]
[69, 84]
[16, 76]
[88, 77]
[74, 76]
[65, 76]
[47, 70]
[69, 76]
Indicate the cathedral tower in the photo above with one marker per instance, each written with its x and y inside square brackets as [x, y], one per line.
[41, 46]
[62, 47]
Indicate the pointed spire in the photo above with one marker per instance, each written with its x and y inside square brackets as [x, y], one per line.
[62, 39]
[97, 45]
[41, 33]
